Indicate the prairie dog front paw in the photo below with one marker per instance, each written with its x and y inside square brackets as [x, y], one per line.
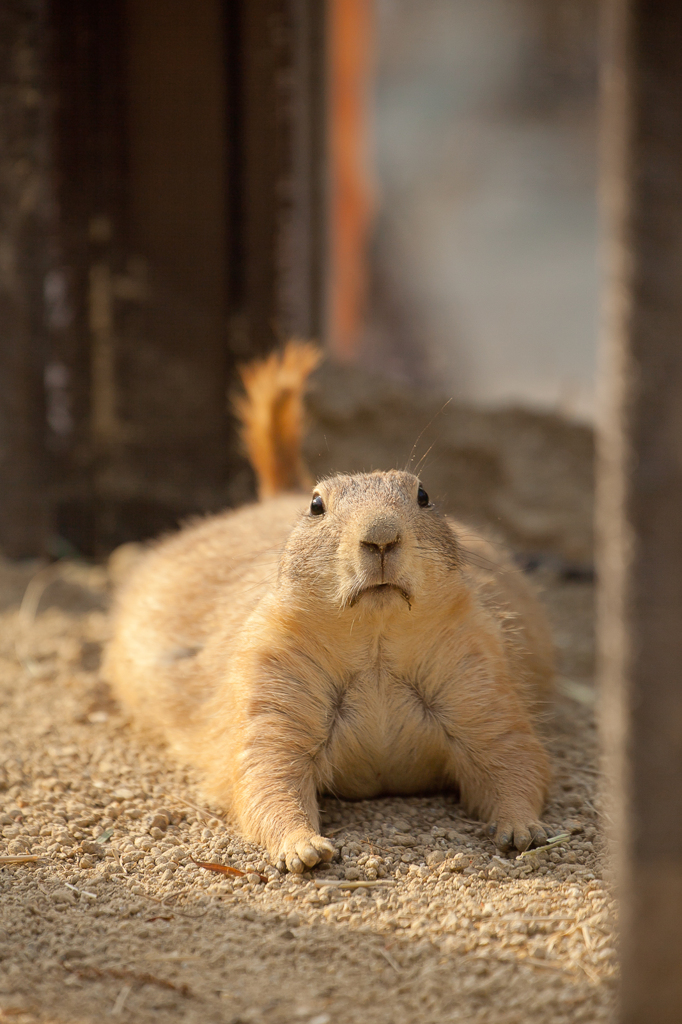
[519, 831]
[299, 851]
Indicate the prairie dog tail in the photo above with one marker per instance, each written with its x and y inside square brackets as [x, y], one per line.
[271, 415]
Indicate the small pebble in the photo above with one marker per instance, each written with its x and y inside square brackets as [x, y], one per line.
[93, 849]
[63, 896]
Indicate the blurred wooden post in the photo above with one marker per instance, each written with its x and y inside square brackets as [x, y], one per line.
[278, 207]
[163, 217]
[640, 496]
[24, 227]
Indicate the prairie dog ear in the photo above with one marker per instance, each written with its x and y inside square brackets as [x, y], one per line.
[123, 560]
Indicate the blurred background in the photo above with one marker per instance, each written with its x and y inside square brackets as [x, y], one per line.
[183, 187]
[481, 152]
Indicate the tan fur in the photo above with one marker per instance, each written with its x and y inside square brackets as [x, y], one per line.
[262, 644]
[271, 413]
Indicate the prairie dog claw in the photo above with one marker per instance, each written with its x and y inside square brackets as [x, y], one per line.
[301, 852]
[518, 832]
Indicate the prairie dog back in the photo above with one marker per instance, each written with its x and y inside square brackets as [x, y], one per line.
[342, 642]
[206, 579]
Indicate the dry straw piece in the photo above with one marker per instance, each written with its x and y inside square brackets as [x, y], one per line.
[550, 845]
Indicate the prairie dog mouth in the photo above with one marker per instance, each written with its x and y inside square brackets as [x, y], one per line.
[382, 588]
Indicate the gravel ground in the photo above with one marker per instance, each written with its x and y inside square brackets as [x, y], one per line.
[115, 918]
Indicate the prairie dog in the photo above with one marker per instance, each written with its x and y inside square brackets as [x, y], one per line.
[346, 642]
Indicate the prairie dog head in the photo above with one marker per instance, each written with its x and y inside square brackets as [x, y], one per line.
[371, 542]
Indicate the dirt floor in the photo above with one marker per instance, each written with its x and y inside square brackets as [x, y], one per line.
[115, 918]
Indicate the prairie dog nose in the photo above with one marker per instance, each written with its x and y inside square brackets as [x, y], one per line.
[381, 536]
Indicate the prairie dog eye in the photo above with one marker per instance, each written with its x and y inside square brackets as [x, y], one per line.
[317, 506]
[422, 498]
